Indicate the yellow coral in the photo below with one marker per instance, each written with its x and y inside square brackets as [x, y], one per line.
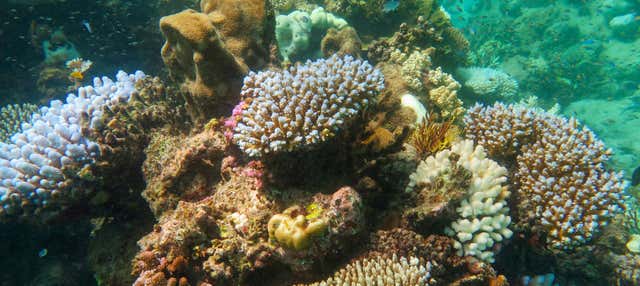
[293, 230]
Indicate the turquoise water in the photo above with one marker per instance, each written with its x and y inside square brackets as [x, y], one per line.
[247, 142]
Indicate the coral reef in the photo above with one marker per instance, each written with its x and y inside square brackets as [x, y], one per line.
[219, 238]
[43, 166]
[483, 212]
[181, 168]
[423, 34]
[210, 52]
[488, 82]
[12, 117]
[304, 105]
[563, 186]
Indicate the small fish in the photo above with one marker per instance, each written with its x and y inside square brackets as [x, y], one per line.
[42, 253]
[588, 42]
[390, 5]
[87, 26]
[635, 178]
[76, 75]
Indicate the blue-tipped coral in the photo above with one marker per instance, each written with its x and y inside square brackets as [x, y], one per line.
[39, 164]
[303, 105]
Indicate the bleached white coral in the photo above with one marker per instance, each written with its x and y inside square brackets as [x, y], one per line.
[488, 82]
[483, 214]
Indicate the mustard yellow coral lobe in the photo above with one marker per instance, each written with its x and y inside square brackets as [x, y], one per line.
[293, 230]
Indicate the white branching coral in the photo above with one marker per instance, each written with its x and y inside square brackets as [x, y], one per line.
[40, 164]
[284, 110]
[380, 271]
[483, 213]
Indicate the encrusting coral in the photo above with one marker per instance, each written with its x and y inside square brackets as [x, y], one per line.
[559, 172]
[303, 105]
[483, 214]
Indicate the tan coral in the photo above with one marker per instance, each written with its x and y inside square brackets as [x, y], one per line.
[443, 93]
[210, 52]
[342, 42]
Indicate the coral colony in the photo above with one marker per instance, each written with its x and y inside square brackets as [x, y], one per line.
[304, 105]
[560, 169]
[34, 164]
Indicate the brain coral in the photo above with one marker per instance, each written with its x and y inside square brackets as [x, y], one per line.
[284, 110]
[566, 189]
[39, 164]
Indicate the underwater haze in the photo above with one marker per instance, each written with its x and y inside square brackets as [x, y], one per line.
[320, 142]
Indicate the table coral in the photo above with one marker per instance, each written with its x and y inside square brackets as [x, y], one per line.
[565, 188]
[304, 105]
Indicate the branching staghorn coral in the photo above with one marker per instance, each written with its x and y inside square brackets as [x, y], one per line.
[303, 105]
[483, 212]
[11, 119]
[40, 167]
[560, 172]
